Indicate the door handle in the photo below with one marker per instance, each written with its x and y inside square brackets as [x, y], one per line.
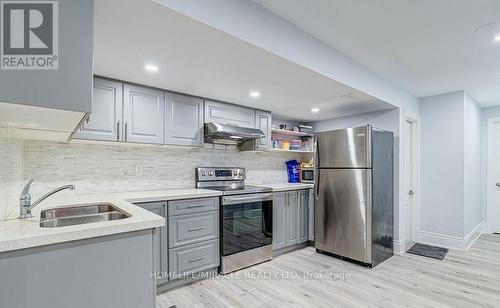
[411, 192]
[498, 184]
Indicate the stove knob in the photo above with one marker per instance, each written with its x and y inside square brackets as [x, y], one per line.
[240, 172]
[210, 173]
[235, 173]
[203, 173]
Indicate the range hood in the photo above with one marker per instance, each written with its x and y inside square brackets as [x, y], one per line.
[230, 134]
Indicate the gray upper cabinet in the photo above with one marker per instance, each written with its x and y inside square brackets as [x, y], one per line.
[263, 121]
[184, 120]
[292, 212]
[104, 123]
[229, 114]
[303, 216]
[279, 221]
[143, 114]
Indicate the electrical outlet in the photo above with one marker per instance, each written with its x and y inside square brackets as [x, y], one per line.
[138, 170]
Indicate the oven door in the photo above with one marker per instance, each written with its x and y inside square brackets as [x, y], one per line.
[247, 222]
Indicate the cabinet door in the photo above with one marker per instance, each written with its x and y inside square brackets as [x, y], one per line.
[104, 123]
[184, 124]
[292, 218]
[303, 215]
[143, 114]
[263, 121]
[229, 114]
[311, 215]
[279, 221]
[161, 239]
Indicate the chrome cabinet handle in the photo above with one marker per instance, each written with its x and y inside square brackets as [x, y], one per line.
[411, 192]
[196, 259]
[195, 205]
[197, 228]
[118, 131]
[126, 131]
[498, 184]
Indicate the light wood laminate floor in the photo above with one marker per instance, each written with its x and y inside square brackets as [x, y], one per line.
[463, 279]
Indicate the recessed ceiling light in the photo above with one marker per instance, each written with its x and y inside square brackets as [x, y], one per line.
[254, 94]
[151, 68]
[314, 110]
[497, 38]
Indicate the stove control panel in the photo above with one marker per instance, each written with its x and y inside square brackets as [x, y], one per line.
[220, 174]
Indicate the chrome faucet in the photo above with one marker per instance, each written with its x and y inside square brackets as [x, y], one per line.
[25, 200]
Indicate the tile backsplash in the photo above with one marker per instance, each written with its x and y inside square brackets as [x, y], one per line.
[11, 162]
[94, 167]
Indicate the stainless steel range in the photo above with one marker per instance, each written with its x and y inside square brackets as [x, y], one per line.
[246, 217]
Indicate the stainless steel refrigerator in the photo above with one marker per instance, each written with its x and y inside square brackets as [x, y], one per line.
[354, 199]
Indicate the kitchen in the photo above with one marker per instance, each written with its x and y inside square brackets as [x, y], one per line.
[206, 168]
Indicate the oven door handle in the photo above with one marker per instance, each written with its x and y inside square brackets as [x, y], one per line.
[247, 198]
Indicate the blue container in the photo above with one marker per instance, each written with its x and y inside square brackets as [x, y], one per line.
[293, 171]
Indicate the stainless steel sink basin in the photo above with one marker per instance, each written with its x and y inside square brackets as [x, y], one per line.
[77, 215]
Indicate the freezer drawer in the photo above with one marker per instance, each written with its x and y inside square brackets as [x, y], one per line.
[344, 148]
[343, 213]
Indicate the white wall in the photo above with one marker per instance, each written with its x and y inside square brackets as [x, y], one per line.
[387, 120]
[256, 25]
[442, 164]
[473, 203]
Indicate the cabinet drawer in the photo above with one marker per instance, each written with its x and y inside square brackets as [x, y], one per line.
[193, 228]
[194, 258]
[188, 206]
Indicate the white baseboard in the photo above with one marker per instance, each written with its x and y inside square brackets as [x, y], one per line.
[399, 247]
[453, 242]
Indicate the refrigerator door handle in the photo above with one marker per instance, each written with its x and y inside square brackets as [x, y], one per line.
[316, 183]
[316, 153]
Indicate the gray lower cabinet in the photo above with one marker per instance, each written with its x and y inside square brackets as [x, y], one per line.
[143, 114]
[193, 228]
[189, 242]
[311, 215]
[229, 114]
[104, 123]
[161, 241]
[303, 216]
[263, 121]
[107, 271]
[279, 221]
[290, 218]
[184, 120]
[189, 259]
[193, 245]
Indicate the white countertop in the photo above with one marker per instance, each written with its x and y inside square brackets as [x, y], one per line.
[288, 186]
[18, 234]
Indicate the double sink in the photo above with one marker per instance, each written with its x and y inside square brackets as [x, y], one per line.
[77, 215]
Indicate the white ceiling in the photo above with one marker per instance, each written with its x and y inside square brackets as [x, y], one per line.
[428, 47]
[196, 59]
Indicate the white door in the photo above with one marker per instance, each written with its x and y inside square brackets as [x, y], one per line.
[409, 176]
[494, 173]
